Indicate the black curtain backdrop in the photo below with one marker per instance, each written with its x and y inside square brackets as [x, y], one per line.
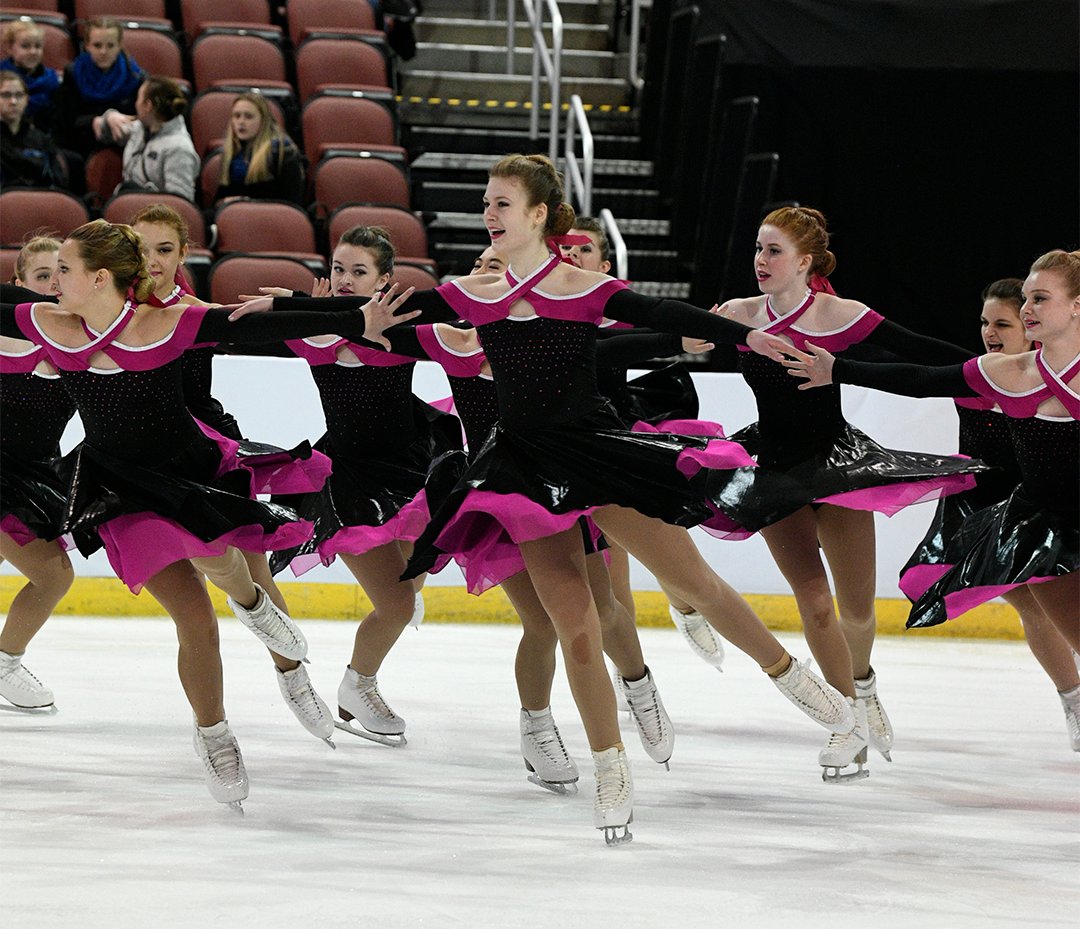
[940, 140]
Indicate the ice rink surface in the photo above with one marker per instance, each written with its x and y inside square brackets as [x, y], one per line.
[106, 821]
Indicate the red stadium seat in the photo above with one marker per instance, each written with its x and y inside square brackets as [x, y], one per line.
[245, 274]
[156, 52]
[120, 9]
[407, 274]
[27, 211]
[338, 63]
[346, 178]
[104, 170]
[343, 16]
[122, 207]
[198, 15]
[217, 59]
[407, 232]
[259, 226]
[328, 120]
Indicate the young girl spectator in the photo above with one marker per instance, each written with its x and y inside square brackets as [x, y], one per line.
[160, 156]
[96, 102]
[259, 159]
[22, 46]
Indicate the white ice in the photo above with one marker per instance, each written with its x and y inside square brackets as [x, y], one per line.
[107, 823]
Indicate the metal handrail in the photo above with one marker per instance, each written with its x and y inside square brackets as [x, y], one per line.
[551, 60]
[618, 244]
[579, 175]
[636, 80]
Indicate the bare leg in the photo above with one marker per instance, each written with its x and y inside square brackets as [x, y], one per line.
[673, 558]
[230, 573]
[534, 665]
[793, 542]
[48, 574]
[392, 600]
[847, 537]
[619, 572]
[620, 636]
[557, 567]
[1045, 641]
[179, 588]
[1060, 601]
[420, 579]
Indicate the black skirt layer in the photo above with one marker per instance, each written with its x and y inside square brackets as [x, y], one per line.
[997, 548]
[371, 500]
[873, 478]
[32, 498]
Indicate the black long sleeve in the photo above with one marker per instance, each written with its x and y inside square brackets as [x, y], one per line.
[906, 380]
[915, 347]
[279, 326]
[431, 304]
[683, 319]
[8, 324]
[625, 348]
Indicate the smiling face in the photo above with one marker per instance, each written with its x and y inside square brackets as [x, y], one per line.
[40, 272]
[104, 47]
[163, 251]
[510, 221]
[246, 121]
[1049, 310]
[27, 49]
[354, 272]
[777, 262]
[488, 262]
[1002, 330]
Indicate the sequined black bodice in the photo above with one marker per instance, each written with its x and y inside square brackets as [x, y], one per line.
[793, 424]
[34, 412]
[985, 434]
[1048, 451]
[368, 409]
[477, 402]
[138, 415]
[545, 369]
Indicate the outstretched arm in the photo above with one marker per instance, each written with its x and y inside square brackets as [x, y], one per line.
[818, 367]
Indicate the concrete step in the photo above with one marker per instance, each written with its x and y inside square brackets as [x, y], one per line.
[497, 142]
[482, 113]
[459, 30]
[462, 197]
[449, 165]
[573, 11]
[504, 87]
[442, 56]
[469, 227]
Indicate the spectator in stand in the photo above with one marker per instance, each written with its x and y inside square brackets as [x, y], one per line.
[96, 102]
[259, 159]
[22, 46]
[159, 156]
[28, 157]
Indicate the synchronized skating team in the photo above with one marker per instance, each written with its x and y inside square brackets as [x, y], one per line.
[542, 473]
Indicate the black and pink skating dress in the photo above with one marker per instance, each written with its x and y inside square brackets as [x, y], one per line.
[381, 440]
[1031, 536]
[806, 451]
[149, 483]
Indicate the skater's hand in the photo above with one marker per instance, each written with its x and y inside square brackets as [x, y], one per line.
[380, 313]
[696, 346]
[815, 364]
[255, 305]
[770, 346]
[321, 288]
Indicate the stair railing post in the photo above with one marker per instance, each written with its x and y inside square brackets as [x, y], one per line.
[511, 27]
[579, 175]
[552, 65]
[618, 244]
[637, 82]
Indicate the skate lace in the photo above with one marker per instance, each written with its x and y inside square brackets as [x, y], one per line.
[612, 785]
[646, 709]
[267, 620]
[548, 742]
[23, 679]
[302, 694]
[876, 718]
[700, 634]
[804, 689]
[378, 706]
[223, 759]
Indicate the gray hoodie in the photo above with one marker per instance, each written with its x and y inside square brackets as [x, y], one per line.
[165, 162]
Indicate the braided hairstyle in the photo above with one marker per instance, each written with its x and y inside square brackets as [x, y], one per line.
[118, 249]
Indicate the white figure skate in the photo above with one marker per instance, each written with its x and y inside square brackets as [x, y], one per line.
[879, 729]
[307, 706]
[224, 765]
[653, 723]
[418, 610]
[546, 758]
[1070, 702]
[844, 750]
[613, 808]
[274, 628]
[822, 702]
[21, 688]
[703, 640]
[365, 713]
